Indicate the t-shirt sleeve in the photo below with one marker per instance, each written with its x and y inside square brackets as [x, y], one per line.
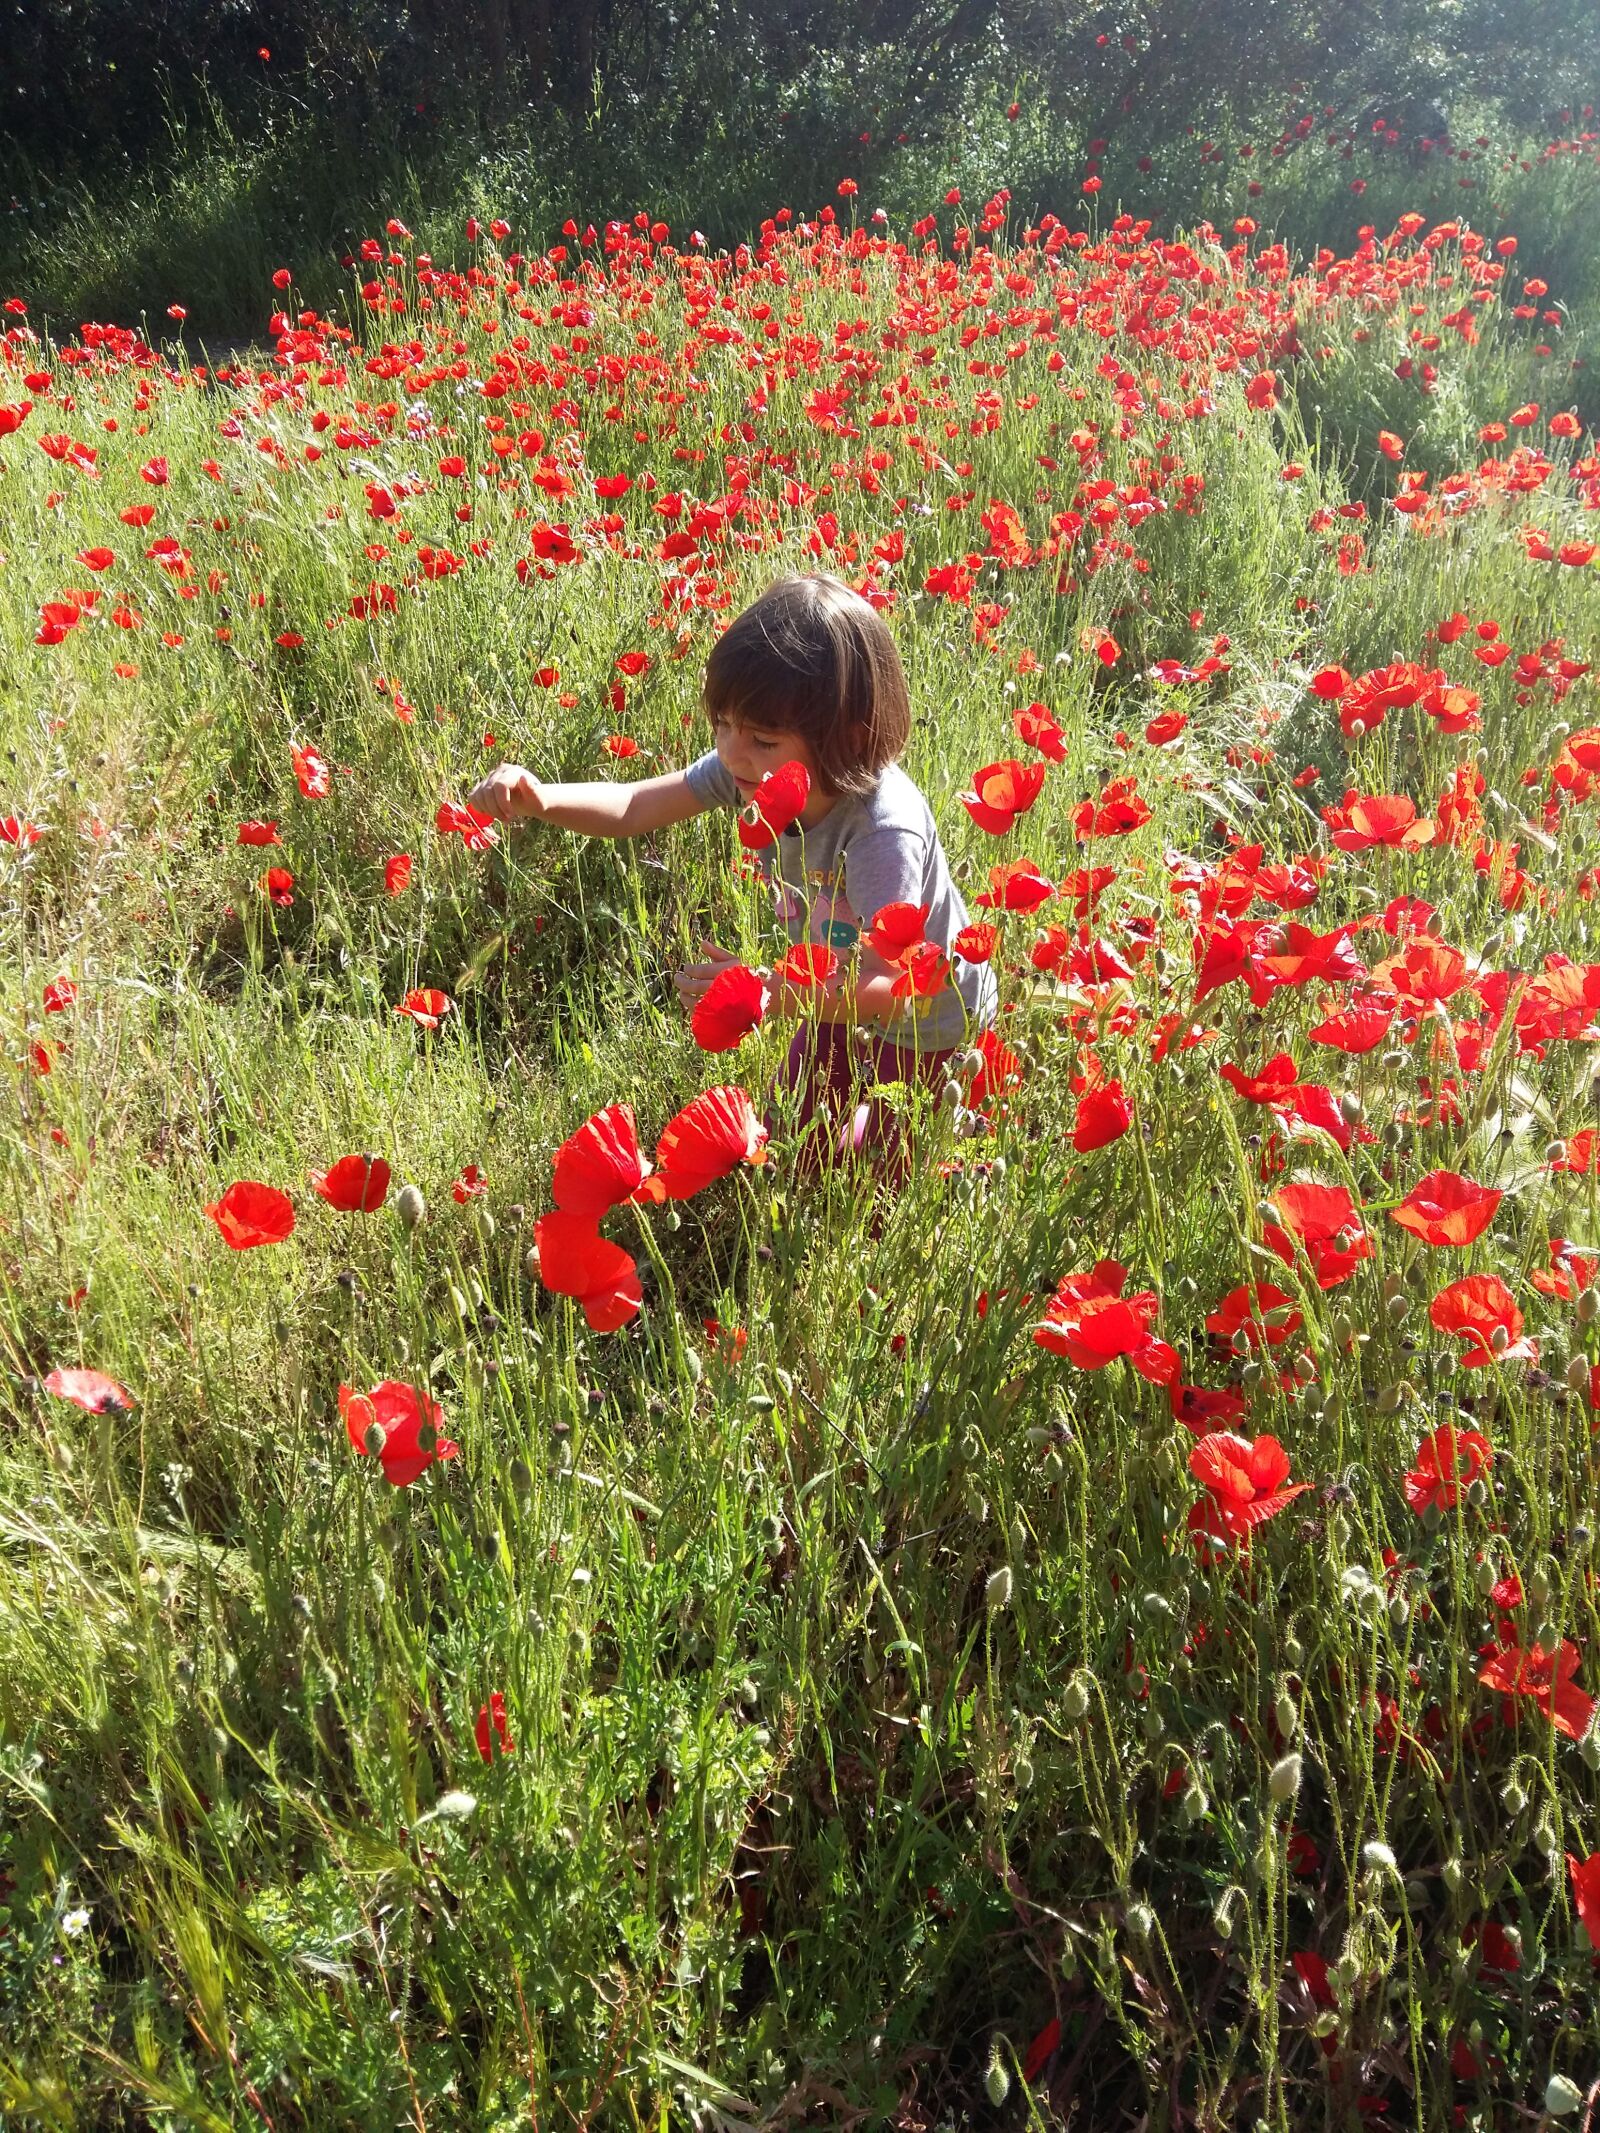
[884, 866]
[711, 784]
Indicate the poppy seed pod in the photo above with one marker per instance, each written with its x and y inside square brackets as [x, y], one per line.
[410, 1206]
[1283, 1780]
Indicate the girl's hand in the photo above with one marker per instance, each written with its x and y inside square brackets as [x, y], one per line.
[693, 978]
[509, 794]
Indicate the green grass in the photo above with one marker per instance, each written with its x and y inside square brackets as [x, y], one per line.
[872, 1706]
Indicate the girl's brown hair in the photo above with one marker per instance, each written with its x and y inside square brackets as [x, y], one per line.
[813, 656]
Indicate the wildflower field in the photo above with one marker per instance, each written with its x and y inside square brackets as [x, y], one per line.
[518, 1608]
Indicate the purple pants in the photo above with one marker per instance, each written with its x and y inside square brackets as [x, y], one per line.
[833, 1077]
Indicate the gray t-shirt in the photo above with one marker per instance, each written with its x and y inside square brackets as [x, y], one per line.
[832, 881]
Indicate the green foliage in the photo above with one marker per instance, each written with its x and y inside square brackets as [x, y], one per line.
[871, 1705]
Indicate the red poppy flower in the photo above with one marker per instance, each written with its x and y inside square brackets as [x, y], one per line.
[13, 830]
[1326, 1221]
[731, 1006]
[1329, 683]
[895, 930]
[1016, 886]
[91, 1390]
[355, 1184]
[59, 995]
[1369, 699]
[492, 1733]
[1036, 727]
[1586, 1893]
[1483, 1312]
[258, 833]
[311, 773]
[277, 885]
[924, 970]
[778, 802]
[1569, 1271]
[1447, 1462]
[599, 1166]
[1256, 1312]
[1091, 1323]
[575, 1260]
[1547, 1677]
[1272, 1085]
[1427, 971]
[249, 1214]
[397, 873]
[1001, 792]
[1001, 1069]
[470, 1185]
[708, 1138]
[407, 1425]
[1120, 809]
[807, 964]
[1577, 1153]
[1356, 1030]
[426, 1005]
[622, 745]
[1084, 887]
[477, 832]
[1446, 1209]
[1204, 1408]
[1246, 1481]
[1367, 821]
[977, 943]
[1104, 1115]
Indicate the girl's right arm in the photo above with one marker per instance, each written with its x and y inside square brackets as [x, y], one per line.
[597, 809]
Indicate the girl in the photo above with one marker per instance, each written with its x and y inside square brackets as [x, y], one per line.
[809, 674]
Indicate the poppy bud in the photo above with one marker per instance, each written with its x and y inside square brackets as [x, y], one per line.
[1547, 1636]
[521, 1477]
[1285, 1716]
[1022, 1773]
[1513, 1798]
[1389, 1398]
[1394, 1061]
[1485, 1576]
[1222, 1915]
[950, 1096]
[1589, 1749]
[1350, 1108]
[1150, 1723]
[693, 1366]
[1556, 1154]
[1587, 1307]
[1562, 2098]
[410, 1206]
[996, 2080]
[1453, 1874]
[1075, 1703]
[427, 1437]
[1195, 1805]
[1379, 1858]
[374, 1439]
[1141, 1920]
[997, 1589]
[1283, 1780]
[1500, 1340]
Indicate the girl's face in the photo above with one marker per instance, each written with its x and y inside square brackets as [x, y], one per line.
[749, 752]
